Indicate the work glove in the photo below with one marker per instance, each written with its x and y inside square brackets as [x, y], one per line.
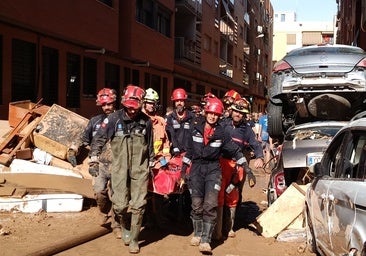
[71, 157]
[176, 151]
[94, 169]
[183, 175]
[251, 178]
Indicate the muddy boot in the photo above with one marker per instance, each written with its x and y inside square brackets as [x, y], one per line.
[136, 222]
[231, 222]
[217, 233]
[197, 232]
[125, 228]
[204, 246]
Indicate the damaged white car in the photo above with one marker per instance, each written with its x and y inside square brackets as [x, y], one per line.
[336, 199]
[313, 83]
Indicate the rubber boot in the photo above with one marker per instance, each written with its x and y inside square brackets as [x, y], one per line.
[217, 233]
[126, 228]
[136, 221]
[204, 246]
[197, 232]
[231, 222]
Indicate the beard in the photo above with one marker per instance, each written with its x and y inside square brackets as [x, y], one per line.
[179, 108]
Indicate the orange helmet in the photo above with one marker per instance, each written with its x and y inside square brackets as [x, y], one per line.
[241, 105]
[132, 97]
[106, 96]
[179, 94]
[230, 97]
[206, 97]
[214, 105]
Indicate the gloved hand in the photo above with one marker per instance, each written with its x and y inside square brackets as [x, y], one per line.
[94, 169]
[71, 157]
[176, 151]
[183, 175]
[251, 178]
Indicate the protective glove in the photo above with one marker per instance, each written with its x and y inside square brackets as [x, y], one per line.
[183, 175]
[176, 151]
[71, 157]
[251, 178]
[94, 169]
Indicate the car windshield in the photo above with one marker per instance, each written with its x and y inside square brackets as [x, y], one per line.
[312, 133]
[325, 50]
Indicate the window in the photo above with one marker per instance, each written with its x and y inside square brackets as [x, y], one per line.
[127, 73]
[90, 77]
[283, 17]
[23, 68]
[136, 77]
[49, 75]
[107, 2]
[291, 39]
[154, 15]
[73, 81]
[112, 76]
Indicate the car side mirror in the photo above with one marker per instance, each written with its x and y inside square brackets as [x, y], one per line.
[316, 169]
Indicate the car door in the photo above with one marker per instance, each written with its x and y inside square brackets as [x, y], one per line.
[320, 203]
[346, 197]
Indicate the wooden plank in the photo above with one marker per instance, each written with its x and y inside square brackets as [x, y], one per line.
[6, 191]
[60, 183]
[282, 212]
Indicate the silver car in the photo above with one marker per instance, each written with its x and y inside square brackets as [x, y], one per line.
[302, 147]
[336, 199]
[320, 82]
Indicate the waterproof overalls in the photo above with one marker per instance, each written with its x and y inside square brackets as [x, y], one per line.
[132, 151]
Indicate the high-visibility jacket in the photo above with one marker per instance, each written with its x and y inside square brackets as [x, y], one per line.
[161, 140]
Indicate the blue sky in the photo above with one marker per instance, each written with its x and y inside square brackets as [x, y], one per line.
[308, 10]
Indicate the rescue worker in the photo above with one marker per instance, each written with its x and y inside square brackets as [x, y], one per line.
[162, 154]
[229, 98]
[161, 140]
[179, 122]
[233, 178]
[207, 143]
[106, 99]
[130, 133]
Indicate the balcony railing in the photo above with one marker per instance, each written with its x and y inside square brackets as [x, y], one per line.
[194, 5]
[187, 49]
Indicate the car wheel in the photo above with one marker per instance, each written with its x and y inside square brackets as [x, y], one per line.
[310, 235]
[275, 129]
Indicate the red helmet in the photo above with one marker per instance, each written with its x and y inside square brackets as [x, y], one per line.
[179, 94]
[214, 105]
[206, 97]
[230, 97]
[106, 96]
[241, 105]
[132, 96]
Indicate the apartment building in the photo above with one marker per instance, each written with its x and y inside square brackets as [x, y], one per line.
[290, 34]
[351, 22]
[63, 52]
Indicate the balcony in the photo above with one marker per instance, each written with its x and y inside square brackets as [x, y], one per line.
[189, 6]
[226, 69]
[187, 50]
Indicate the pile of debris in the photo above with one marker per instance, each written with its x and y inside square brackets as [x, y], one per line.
[34, 172]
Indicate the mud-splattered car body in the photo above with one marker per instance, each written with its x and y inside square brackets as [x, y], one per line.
[336, 199]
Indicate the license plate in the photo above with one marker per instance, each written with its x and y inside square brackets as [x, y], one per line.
[313, 158]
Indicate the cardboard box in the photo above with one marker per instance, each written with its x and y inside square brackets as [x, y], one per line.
[60, 129]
